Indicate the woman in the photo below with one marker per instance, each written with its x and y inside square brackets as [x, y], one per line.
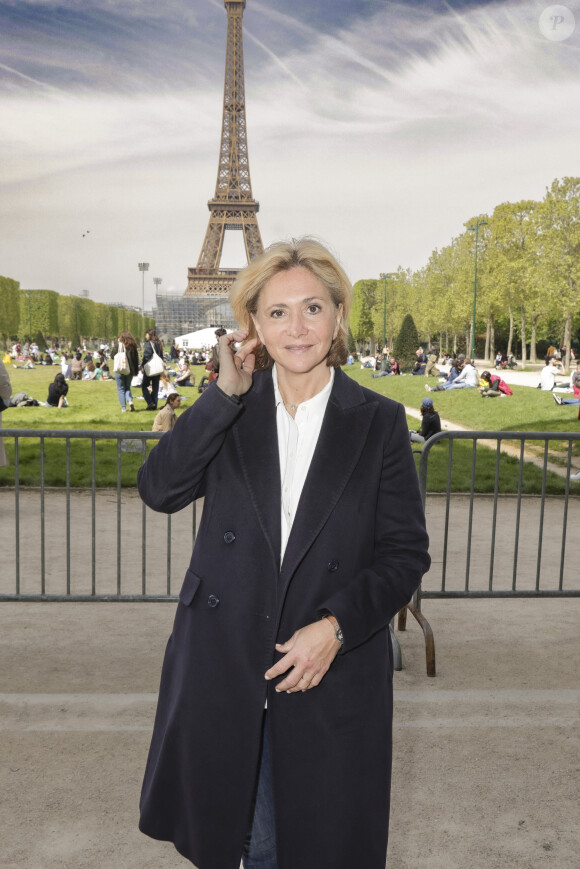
[65, 366]
[89, 371]
[166, 418]
[430, 423]
[127, 344]
[57, 391]
[312, 538]
[77, 367]
[492, 385]
[152, 345]
[185, 377]
[166, 387]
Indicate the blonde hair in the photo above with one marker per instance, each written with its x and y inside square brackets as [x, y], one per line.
[306, 253]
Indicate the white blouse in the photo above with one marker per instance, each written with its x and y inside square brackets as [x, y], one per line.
[297, 439]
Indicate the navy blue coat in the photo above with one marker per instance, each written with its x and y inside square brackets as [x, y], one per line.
[358, 548]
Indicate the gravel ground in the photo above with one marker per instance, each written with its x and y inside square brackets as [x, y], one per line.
[485, 760]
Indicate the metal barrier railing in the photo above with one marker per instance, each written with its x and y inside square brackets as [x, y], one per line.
[519, 520]
[131, 551]
[135, 554]
[468, 529]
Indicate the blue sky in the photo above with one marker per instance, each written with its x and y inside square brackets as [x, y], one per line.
[379, 127]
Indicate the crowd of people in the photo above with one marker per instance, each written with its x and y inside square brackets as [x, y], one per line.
[157, 375]
[151, 372]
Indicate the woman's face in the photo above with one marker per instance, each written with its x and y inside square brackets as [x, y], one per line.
[297, 321]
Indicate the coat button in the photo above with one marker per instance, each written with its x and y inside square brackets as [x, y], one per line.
[229, 537]
[213, 600]
[332, 566]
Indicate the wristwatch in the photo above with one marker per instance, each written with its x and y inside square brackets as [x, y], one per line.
[337, 629]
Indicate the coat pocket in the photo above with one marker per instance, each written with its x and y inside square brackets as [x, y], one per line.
[189, 587]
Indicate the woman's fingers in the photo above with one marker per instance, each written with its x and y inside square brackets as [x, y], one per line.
[309, 654]
[246, 354]
[236, 369]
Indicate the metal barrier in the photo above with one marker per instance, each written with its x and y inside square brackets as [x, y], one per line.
[499, 545]
[135, 553]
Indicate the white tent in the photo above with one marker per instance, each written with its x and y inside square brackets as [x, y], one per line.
[200, 340]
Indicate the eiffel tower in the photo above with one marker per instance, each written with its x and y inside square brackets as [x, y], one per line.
[233, 206]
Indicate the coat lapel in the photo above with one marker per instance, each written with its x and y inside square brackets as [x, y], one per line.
[342, 438]
[256, 438]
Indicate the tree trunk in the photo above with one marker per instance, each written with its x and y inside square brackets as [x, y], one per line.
[524, 349]
[533, 357]
[567, 340]
[428, 342]
[447, 342]
[486, 352]
[511, 335]
[455, 343]
[468, 344]
[491, 356]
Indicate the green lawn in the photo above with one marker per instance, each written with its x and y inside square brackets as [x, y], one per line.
[94, 405]
[526, 410]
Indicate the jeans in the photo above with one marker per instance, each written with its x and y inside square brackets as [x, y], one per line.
[454, 385]
[124, 388]
[260, 847]
[150, 397]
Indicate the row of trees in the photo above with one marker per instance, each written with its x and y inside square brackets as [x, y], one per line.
[34, 314]
[528, 282]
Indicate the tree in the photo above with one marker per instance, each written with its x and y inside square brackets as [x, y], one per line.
[406, 343]
[361, 314]
[511, 256]
[9, 309]
[559, 226]
[39, 312]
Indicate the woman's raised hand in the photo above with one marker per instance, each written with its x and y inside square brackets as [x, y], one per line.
[236, 369]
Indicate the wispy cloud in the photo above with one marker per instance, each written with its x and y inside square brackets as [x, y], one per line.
[28, 78]
[382, 132]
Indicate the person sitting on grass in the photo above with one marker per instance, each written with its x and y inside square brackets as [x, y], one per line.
[166, 418]
[575, 384]
[548, 374]
[90, 371]
[166, 387]
[454, 369]
[430, 423]
[431, 369]
[493, 386]
[383, 368]
[466, 379]
[185, 377]
[57, 391]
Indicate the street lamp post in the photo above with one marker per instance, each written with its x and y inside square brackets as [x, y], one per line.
[157, 282]
[384, 280]
[143, 267]
[475, 229]
[384, 277]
